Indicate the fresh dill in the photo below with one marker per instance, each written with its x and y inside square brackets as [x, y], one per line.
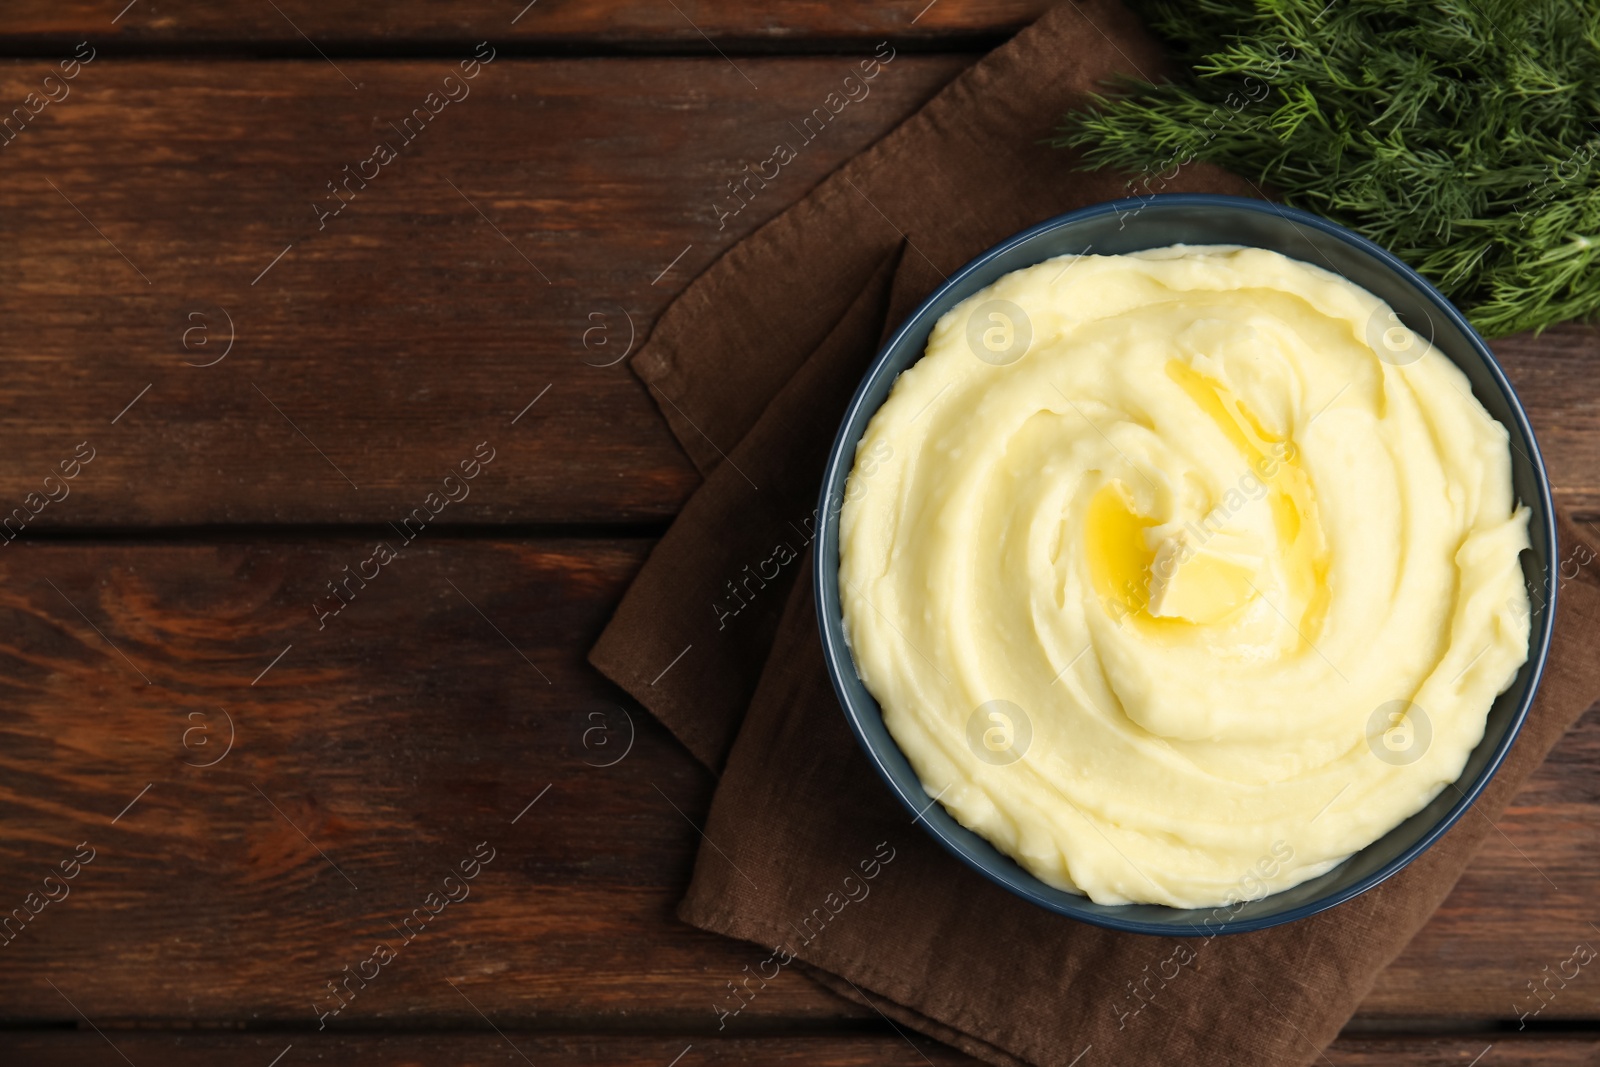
[1462, 135]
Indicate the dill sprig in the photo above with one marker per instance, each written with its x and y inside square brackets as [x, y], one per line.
[1463, 135]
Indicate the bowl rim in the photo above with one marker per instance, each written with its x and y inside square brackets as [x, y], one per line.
[829, 610]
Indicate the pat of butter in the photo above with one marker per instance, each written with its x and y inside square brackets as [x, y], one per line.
[1206, 582]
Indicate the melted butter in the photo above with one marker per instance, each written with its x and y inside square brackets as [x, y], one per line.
[1207, 580]
[1120, 557]
[1300, 548]
[1118, 551]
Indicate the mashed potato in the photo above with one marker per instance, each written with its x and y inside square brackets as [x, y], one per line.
[1180, 561]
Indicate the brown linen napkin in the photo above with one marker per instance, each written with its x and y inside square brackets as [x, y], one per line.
[811, 857]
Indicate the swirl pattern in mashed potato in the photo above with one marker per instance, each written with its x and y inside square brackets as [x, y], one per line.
[1181, 560]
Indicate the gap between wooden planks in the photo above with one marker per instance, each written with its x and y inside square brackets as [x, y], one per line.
[570, 1050]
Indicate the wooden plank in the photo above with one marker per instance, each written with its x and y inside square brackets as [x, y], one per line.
[516, 244]
[372, 758]
[470, 1049]
[1555, 375]
[550, 22]
[374, 754]
[378, 350]
[1506, 943]
[1465, 1050]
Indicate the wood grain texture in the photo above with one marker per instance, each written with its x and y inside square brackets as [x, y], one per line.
[147, 210]
[1490, 1050]
[480, 1050]
[1557, 375]
[87, 1049]
[685, 23]
[370, 761]
[377, 752]
[382, 346]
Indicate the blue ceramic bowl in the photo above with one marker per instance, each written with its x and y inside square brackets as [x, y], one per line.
[1129, 226]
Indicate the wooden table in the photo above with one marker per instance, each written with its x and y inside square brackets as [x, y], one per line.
[263, 787]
